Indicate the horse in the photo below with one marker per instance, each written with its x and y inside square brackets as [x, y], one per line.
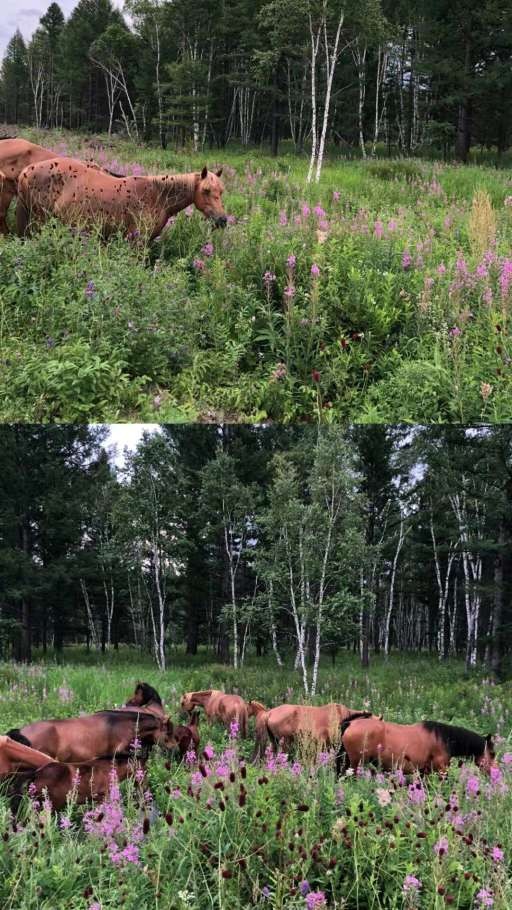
[15, 155]
[145, 698]
[320, 723]
[15, 754]
[218, 706]
[81, 194]
[187, 735]
[425, 746]
[77, 739]
[84, 780]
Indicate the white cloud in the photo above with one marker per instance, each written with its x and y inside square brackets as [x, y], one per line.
[26, 18]
[124, 436]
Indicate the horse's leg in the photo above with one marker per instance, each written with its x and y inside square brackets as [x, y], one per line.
[22, 219]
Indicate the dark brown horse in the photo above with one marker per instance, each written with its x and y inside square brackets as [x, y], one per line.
[426, 746]
[80, 194]
[77, 739]
[187, 735]
[145, 698]
[83, 780]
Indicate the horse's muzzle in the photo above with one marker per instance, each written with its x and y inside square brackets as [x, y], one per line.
[221, 221]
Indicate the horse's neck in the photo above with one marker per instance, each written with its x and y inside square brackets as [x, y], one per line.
[19, 753]
[202, 698]
[176, 191]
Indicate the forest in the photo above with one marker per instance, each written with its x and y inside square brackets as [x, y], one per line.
[295, 543]
[409, 77]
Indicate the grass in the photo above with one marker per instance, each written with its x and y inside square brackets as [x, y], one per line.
[407, 320]
[285, 835]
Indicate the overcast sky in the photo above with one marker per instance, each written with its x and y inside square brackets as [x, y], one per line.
[25, 15]
[124, 436]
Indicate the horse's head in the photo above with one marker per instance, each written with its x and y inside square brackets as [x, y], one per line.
[144, 694]
[187, 701]
[166, 738]
[208, 196]
[487, 760]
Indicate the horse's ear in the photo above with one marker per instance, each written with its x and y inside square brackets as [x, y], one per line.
[489, 739]
[219, 172]
[204, 173]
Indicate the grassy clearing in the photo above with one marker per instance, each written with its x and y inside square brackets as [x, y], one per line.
[406, 317]
[285, 835]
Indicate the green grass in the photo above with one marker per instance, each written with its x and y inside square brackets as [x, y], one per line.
[368, 340]
[355, 840]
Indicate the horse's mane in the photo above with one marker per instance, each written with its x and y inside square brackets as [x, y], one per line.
[148, 693]
[458, 740]
[9, 137]
[18, 737]
[201, 692]
[257, 705]
[348, 720]
[141, 718]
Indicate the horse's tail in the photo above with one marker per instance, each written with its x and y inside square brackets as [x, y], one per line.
[348, 720]
[17, 785]
[18, 737]
[22, 218]
[262, 735]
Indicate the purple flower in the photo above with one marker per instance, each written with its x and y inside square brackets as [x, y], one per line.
[441, 848]
[315, 271]
[441, 269]
[315, 899]
[406, 260]
[207, 249]
[268, 279]
[485, 898]
[506, 277]
[208, 751]
[411, 884]
[90, 290]
[289, 292]
[319, 211]
[265, 892]
[455, 331]
[378, 230]
[283, 220]
[234, 729]
[497, 854]
[336, 196]
[472, 785]
[417, 794]
[291, 261]
[306, 210]
[65, 823]
[507, 757]
[304, 888]
[198, 265]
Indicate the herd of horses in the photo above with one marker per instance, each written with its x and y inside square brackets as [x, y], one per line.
[83, 194]
[77, 754]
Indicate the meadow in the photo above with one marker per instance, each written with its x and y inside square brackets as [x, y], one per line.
[380, 295]
[219, 832]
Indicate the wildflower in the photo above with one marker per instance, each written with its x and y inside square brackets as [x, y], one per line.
[135, 745]
[289, 292]
[319, 212]
[315, 899]
[472, 785]
[65, 823]
[315, 375]
[234, 728]
[448, 221]
[65, 694]
[383, 796]
[208, 751]
[508, 201]
[306, 210]
[296, 769]
[488, 296]
[265, 892]
[441, 847]
[207, 249]
[455, 331]
[406, 260]
[497, 854]
[506, 278]
[279, 372]
[485, 898]
[90, 290]
[378, 230]
[481, 270]
[283, 220]
[507, 757]
[190, 756]
[336, 196]
[291, 261]
[417, 794]
[198, 264]
[411, 884]
[95, 906]
[304, 888]
[268, 279]
[315, 271]
[496, 776]
[392, 225]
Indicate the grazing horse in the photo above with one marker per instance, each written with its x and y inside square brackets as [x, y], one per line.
[81, 194]
[77, 739]
[288, 722]
[15, 155]
[425, 746]
[84, 780]
[146, 699]
[17, 753]
[187, 735]
[218, 706]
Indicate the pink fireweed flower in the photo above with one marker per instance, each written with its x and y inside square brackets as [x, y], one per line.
[207, 249]
[319, 211]
[485, 898]
[198, 264]
[506, 278]
[135, 745]
[268, 279]
[208, 751]
[441, 847]
[231, 219]
[65, 822]
[472, 786]
[306, 210]
[455, 331]
[139, 775]
[497, 854]
[383, 796]
[481, 271]
[190, 756]
[496, 776]
[411, 885]
[392, 225]
[234, 729]
[296, 769]
[378, 230]
[291, 262]
[315, 899]
[406, 260]
[315, 271]
[507, 756]
[176, 793]
[336, 196]
[289, 291]
[283, 219]
[441, 269]
[417, 794]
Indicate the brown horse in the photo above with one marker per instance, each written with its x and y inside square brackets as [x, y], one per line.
[81, 194]
[288, 722]
[426, 746]
[218, 706]
[187, 735]
[77, 739]
[15, 155]
[84, 780]
[146, 699]
[15, 755]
